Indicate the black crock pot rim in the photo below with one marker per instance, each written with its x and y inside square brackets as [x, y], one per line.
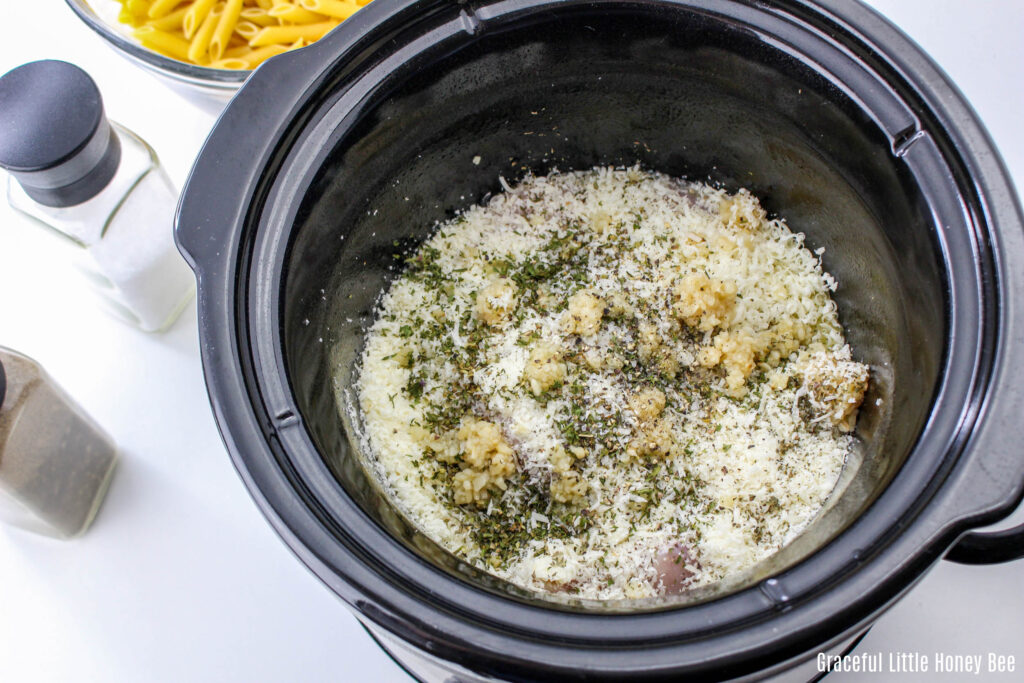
[274, 494]
[302, 453]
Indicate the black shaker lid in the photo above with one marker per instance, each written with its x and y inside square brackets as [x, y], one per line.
[54, 137]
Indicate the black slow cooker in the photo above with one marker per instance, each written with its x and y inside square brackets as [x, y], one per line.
[334, 158]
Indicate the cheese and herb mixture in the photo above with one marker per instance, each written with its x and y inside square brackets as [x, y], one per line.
[610, 383]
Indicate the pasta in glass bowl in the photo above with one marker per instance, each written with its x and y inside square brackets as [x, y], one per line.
[210, 46]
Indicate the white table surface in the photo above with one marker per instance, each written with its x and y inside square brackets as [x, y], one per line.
[180, 578]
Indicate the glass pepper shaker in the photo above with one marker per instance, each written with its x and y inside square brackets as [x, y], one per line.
[98, 185]
[55, 462]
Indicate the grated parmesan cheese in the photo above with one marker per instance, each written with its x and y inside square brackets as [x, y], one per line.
[610, 383]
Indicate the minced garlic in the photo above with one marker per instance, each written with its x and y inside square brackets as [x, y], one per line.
[704, 303]
[495, 301]
[544, 368]
[584, 314]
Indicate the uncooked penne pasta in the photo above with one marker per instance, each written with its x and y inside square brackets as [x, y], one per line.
[161, 8]
[126, 16]
[170, 22]
[163, 41]
[256, 57]
[236, 52]
[339, 9]
[234, 63]
[200, 45]
[288, 34]
[258, 16]
[247, 29]
[134, 12]
[232, 34]
[225, 27]
[195, 15]
[287, 12]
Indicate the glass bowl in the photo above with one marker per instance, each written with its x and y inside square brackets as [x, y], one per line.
[205, 82]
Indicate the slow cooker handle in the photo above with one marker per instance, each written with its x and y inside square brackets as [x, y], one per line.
[992, 547]
[208, 221]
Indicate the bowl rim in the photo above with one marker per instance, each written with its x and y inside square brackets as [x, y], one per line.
[221, 79]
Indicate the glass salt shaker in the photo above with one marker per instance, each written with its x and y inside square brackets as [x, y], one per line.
[96, 184]
[55, 462]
